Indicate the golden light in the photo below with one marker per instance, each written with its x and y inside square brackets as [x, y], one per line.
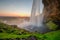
[24, 15]
[15, 14]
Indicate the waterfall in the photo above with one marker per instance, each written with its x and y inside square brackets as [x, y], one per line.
[36, 18]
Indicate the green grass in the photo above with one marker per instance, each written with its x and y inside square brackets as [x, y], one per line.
[6, 35]
[48, 36]
[52, 25]
[11, 32]
[55, 35]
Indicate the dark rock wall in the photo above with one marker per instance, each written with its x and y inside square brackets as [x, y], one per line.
[51, 10]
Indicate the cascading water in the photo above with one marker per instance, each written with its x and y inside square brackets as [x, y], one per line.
[36, 17]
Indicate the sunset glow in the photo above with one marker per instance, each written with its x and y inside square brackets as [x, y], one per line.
[15, 14]
[16, 8]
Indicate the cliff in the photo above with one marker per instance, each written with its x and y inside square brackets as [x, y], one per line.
[51, 11]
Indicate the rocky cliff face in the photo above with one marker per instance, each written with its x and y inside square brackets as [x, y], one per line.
[51, 10]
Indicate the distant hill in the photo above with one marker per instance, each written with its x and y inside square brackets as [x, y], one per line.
[7, 17]
[13, 18]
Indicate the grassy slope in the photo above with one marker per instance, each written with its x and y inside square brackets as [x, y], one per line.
[55, 35]
[6, 35]
[7, 31]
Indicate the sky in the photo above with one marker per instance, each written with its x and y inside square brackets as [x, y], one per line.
[17, 7]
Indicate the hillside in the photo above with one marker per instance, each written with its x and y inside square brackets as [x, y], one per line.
[12, 32]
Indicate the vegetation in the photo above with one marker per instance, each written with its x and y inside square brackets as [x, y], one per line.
[52, 25]
[13, 32]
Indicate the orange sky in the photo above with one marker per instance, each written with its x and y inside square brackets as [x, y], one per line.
[16, 8]
[15, 14]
